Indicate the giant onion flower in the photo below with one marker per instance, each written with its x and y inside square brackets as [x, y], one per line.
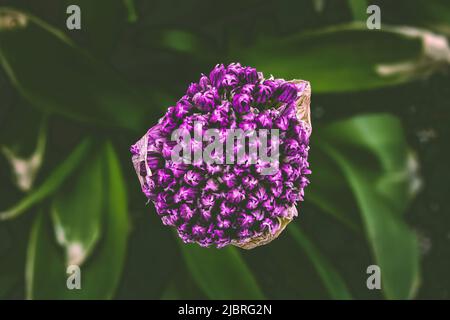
[218, 203]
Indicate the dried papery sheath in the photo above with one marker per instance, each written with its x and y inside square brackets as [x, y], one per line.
[245, 202]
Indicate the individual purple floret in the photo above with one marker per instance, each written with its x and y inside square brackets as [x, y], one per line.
[227, 203]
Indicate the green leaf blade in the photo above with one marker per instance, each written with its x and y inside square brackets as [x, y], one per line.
[77, 211]
[46, 266]
[351, 143]
[76, 85]
[347, 58]
[51, 184]
[221, 274]
[330, 277]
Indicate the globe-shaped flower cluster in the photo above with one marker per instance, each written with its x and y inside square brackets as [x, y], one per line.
[219, 203]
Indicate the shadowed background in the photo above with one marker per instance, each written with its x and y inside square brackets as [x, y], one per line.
[72, 102]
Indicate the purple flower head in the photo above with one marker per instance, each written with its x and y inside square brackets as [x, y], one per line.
[230, 81]
[193, 178]
[252, 202]
[164, 178]
[162, 202]
[269, 204]
[223, 223]
[205, 213]
[198, 231]
[206, 101]
[182, 108]
[258, 215]
[186, 212]
[216, 76]
[154, 160]
[264, 120]
[291, 147]
[212, 202]
[178, 168]
[247, 125]
[235, 68]
[250, 75]
[235, 196]
[263, 93]
[185, 194]
[282, 122]
[245, 233]
[247, 89]
[249, 182]
[273, 84]
[246, 220]
[168, 124]
[167, 148]
[220, 114]
[134, 149]
[277, 189]
[208, 200]
[229, 179]
[269, 224]
[211, 185]
[227, 209]
[204, 82]
[193, 89]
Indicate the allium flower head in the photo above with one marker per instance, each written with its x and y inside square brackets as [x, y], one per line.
[221, 203]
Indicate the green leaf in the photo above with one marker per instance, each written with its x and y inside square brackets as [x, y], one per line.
[350, 57]
[75, 85]
[221, 274]
[46, 268]
[369, 149]
[330, 277]
[51, 184]
[433, 15]
[13, 243]
[77, 211]
[25, 169]
[326, 179]
[148, 268]
[131, 8]
[358, 8]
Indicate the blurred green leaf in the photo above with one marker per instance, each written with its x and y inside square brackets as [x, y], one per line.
[368, 149]
[183, 41]
[330, 277]
[51, 184]
[319, 5]
[46, 268]
[434, 15]
[76, 211]
[221, 274]
[322, 191]
[350, 57]
[75, 85]
[145, 253]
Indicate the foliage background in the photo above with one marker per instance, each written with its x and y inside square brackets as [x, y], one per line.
[72, 102]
